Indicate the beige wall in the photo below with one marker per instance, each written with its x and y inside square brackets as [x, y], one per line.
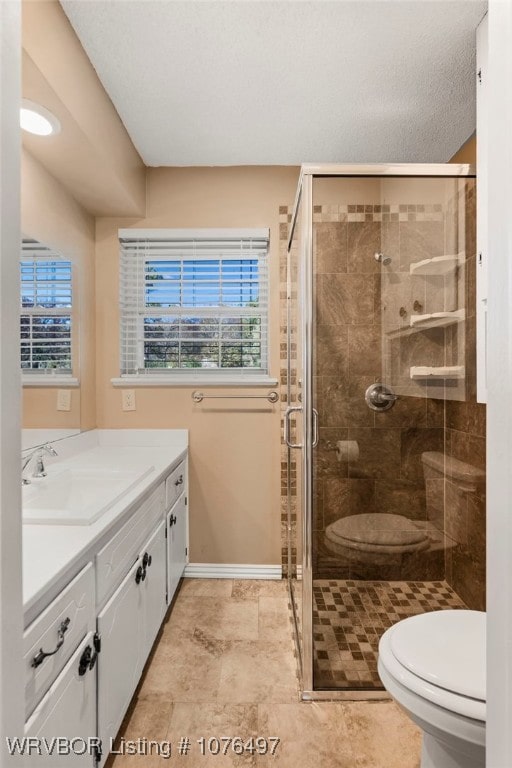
[49, 214]
[234, 446]
[467, 153]
[93, 156]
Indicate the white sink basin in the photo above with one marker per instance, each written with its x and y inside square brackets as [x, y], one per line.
[76, 496]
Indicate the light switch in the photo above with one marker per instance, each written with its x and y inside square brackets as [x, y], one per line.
[63, 399]
[128, 399]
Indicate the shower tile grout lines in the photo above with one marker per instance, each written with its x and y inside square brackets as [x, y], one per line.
[349, 618]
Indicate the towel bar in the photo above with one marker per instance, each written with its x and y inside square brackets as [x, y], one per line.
[198, 397]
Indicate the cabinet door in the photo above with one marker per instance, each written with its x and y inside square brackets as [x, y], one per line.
[177, 545]
[120, 663]
[68, 710]
[154, 585]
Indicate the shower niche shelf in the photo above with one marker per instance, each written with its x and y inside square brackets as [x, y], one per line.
[438, 265]
[437, 319]
[419, 323]
[436, 373]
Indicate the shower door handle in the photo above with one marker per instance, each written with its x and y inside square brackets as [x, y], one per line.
[288, 412]
[315, 427]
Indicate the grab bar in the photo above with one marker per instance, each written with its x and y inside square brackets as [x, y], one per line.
[198, 397]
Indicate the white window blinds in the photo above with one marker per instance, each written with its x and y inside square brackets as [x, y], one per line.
[194, 301]
[45, 310]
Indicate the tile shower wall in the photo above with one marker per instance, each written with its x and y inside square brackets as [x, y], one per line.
[349, 355]
[388, 475]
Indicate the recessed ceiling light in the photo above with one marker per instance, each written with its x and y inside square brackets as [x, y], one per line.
[36, 119]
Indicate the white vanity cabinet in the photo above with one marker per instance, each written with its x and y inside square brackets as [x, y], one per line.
[176, 484]
[85, 652]
[128, 625]
[60, 688]
[154, 588]
[177, 544]
[65, 719]
[51, 639]
[176, 498]
[113, 560]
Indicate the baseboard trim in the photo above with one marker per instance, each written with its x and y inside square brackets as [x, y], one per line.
[232, 571]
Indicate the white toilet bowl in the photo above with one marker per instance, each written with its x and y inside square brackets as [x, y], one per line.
[367, 536]
[433, 665]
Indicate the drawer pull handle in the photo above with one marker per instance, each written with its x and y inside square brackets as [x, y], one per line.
[172, 521]
[146, 560]
[42, 655]
[179, 481]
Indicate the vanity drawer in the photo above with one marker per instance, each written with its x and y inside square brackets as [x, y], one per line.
[175, 484]
[67, 711]
[115, 558]
[74, 609]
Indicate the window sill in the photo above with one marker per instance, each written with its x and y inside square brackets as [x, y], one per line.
[193, 381]
[49, 381]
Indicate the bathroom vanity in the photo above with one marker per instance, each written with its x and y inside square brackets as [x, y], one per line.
[98, 582]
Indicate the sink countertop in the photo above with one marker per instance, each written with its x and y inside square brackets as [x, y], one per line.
[54, 554]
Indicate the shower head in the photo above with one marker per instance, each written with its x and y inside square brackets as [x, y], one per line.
[384, 260]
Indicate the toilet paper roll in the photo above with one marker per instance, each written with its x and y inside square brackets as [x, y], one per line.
[347, 450]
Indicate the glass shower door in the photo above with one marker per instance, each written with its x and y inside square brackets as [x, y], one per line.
[383, 301]
[301, 423]
[293, 428]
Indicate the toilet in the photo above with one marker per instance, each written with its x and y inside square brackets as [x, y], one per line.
[380, 538]
[433, 665]
[363, 537]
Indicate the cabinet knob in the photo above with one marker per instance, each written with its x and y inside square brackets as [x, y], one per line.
[146, 560]
[179, 481]
[88, 658]
[140, 574]
[85, 661]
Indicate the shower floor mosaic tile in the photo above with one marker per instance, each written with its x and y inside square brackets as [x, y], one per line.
[349, 618]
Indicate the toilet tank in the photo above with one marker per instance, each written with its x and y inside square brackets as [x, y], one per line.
[450, 479]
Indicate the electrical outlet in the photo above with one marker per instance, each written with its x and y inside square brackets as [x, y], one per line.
[63, 399]
[128, 399]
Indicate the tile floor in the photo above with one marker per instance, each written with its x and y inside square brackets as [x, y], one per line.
[349, 618]
[224, 665]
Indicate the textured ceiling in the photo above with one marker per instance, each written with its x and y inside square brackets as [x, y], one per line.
[261, 82]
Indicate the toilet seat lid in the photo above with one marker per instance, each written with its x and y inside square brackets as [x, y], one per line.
[378, 528]
[445, 648]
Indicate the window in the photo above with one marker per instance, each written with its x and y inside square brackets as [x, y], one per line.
[194, 302]
[45, 314]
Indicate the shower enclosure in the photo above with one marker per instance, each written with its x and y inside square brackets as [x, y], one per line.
[383, 441]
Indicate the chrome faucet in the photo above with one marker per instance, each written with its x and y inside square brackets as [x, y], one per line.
[39, 469]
